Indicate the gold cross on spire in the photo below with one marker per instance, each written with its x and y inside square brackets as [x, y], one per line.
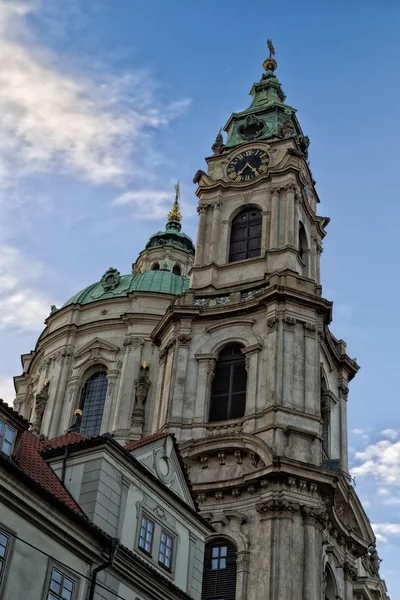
[175, 214]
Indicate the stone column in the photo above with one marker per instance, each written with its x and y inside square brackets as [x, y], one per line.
[272, 359]
[289, 324]
[215, 231]
[251, 357]
[319, 251]
[130, 368]
[60, 393]
[289, 225]
[309, 368]
[160, 386]
[313, 260]
[202, 211]
[310, 580]
[71, 402]
[350, 576]
[343, 391]
[205, 375]
[181, 358]
[274, 217]
[282, 511]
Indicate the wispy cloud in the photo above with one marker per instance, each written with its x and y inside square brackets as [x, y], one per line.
[7, 392]
[385, 530]
[392, 434]
[91, 124]
[22, 306]
[381, 461]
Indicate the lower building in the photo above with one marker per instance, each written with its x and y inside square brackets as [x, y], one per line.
[88, 519]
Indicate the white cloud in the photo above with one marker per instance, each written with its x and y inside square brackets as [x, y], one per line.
[390, 433]
[154, 204]
[385, 530]
[7, 391]
[381, 460]
[84, 123]
[22, 305]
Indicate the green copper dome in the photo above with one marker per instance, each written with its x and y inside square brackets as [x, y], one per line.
[113, 285]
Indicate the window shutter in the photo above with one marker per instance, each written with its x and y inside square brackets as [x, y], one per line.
[219, 583]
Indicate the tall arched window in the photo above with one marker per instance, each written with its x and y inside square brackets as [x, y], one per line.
[219, 574]
[330, 588]
[228, 391]
[246, 235]
[155, 267]
[92, 402]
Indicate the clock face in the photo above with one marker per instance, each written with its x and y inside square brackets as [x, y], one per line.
[248, 164]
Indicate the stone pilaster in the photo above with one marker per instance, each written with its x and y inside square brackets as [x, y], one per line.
[60, 392]
[289, 225]
[215, 231]
[310, 362]
[274, 217]
[130, 368]
[312, 519]
[282, 512]
[202, 211]
[181, 358]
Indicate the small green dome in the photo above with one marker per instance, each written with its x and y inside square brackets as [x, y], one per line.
[113, 285]
[172, 237]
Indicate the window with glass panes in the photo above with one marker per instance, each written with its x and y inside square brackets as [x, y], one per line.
[228, 390]
[165, 554]
[219, 573]
[4, 547]
[245, 239]
[146, 534]
[92, 403]
[61, 587]
[7, 438]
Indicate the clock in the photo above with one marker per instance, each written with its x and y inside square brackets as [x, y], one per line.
[248, 164]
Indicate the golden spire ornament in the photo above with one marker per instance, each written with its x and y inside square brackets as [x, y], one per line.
[175, 213]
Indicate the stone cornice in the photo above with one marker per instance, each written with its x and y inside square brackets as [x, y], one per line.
[277, 508]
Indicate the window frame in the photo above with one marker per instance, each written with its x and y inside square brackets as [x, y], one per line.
[7, 557]
[172, 538]
[219, 557]
[96, 369]
[231, 393]
[53, 564]
[259, 221]
[2, 437]
[143, 548]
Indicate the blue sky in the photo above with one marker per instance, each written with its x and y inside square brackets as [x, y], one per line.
[104, 104]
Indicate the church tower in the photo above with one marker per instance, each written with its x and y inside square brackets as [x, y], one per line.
[253, 383]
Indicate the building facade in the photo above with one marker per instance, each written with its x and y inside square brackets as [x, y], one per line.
[88, 519]
[239, 364]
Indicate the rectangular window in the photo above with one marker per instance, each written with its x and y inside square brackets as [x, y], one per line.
[61, 587]
[7, 438]
[218, 557]
[165, 554]
[4, 548]
[146, 534]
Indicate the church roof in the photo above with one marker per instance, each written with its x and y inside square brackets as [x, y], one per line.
[161, 281]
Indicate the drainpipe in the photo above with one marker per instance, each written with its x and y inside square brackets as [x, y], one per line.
[64, 464]
[113, 549]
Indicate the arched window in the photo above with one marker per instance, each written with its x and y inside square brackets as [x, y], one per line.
[246, 235]
[177, 270]
[92, 402]
[228, 391]
[155, 267]
[219, 574]
[330, 590]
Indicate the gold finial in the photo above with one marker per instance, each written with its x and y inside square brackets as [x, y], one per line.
[46, 382]
[145, 365]
[270, 63]
[271, 48]
[78, 412]
[175, 214]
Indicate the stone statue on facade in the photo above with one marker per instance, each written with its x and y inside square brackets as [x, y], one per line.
[40, 405]
[142, 385]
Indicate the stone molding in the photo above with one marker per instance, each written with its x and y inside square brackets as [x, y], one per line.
[277, 508]
[314, 516]
[131, 341]
[350, 571]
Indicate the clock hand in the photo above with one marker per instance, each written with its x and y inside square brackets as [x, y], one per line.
[252, 168]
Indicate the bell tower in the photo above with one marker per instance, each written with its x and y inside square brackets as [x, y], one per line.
[251, 380]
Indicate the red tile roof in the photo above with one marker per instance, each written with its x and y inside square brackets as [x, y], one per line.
[29, 459]
[144, 441]
[13, 413]
[64, 440]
